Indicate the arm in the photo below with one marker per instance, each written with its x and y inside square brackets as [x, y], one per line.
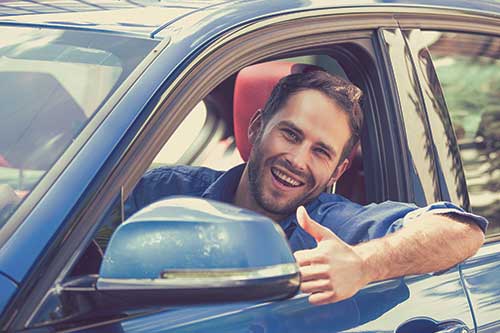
[435, 242]
[334, 270]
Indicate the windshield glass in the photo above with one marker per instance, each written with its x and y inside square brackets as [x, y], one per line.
[51, 83]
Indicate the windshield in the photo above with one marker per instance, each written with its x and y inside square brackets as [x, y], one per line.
[51, 83]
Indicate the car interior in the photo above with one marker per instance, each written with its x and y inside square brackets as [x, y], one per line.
[222, 141]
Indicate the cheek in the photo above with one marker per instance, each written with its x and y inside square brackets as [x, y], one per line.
[323, 170]
[274, 144]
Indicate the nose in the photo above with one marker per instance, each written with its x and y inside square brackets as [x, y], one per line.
[298, 157]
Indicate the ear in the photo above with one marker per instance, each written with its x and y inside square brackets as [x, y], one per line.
[255, 127]
[339, 171]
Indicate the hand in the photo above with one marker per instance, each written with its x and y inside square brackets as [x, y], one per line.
[332, 271]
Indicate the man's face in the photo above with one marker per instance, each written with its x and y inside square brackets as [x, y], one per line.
[295, 156]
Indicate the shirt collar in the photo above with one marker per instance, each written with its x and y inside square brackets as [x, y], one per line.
[224, 187]
[289, 223]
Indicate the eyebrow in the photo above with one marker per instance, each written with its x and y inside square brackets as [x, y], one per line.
[323, 145]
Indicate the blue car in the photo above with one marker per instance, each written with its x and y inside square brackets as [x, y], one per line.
[96, 92]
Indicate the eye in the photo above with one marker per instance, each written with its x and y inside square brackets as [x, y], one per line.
[322, 151]
[290, 135]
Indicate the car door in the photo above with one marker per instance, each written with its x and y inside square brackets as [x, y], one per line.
[398, 167]
[466, 131]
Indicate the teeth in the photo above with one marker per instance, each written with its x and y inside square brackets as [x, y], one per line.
[285, 178]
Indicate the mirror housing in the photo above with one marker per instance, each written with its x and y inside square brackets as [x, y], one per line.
[185, 250]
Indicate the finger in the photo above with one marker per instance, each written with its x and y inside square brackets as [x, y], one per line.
[308, 257]
[323, 298]
[312, 227]
[314, 272]
[316, 286]
[304, 257]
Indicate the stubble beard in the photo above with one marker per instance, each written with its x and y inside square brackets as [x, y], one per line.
[256, 168]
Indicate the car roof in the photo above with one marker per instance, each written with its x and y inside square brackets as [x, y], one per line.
[147, 17]
[128, 16]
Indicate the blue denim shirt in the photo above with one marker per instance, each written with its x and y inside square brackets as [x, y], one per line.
[352, 222]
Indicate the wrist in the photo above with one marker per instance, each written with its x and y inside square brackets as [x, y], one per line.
[372, 267]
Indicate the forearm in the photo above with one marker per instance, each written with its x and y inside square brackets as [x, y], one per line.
[431, 243]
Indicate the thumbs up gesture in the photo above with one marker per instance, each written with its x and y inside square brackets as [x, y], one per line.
[332, 271]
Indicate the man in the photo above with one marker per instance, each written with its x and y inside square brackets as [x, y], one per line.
[301, 140]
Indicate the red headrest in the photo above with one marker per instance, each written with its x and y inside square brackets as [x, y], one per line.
[3, 162]
[253, 87]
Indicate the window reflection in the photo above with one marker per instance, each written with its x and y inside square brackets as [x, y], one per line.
[424, 176]
[468, 69]
[52, 82]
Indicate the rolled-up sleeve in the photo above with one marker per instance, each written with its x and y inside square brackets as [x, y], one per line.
[354, 223]
[444, 208]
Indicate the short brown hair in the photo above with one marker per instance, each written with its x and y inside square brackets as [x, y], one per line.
[344, 93]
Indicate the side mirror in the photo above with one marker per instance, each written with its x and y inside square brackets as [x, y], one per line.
[186, 250]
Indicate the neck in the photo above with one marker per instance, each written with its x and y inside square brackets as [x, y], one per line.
[245, 199]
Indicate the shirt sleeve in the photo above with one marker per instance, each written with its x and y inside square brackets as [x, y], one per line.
[443, 207]
[162, 182]
[355, 223]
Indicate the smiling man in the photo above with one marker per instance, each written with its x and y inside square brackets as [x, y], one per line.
[301, 150]
[301, 140]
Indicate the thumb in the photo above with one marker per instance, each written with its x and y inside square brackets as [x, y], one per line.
[312, 227]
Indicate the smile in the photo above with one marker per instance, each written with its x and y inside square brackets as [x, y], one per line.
[285, 179]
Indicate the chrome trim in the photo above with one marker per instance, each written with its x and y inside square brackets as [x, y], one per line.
[211, 278]
[492, 238]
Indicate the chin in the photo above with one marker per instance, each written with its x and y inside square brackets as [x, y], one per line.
[278, 207]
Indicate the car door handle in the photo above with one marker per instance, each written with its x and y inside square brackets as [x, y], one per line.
[429, 325]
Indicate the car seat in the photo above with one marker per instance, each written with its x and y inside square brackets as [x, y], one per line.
[253, 86]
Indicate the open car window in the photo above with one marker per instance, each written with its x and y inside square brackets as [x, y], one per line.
[52, 82]
[206, 138]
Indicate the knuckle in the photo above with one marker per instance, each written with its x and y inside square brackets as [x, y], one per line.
[323, 258]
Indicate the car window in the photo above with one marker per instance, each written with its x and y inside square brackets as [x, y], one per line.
[51, 83]
[468, 68]
[200, 140]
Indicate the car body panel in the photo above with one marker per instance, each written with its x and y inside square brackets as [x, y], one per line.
[130, 21]
[145, 17]
[7, 290]
[118, 16]
[481, 274]
[380, 307]
[439, 297]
